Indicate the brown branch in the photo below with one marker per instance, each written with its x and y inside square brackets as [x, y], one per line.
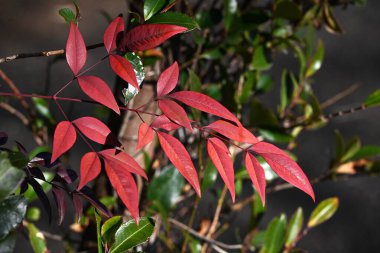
[14, 112]
[339, 96]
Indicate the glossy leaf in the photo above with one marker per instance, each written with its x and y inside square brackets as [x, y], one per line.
[145, 135]
[168, 80]
[137, 65]
[78, 206]
[95, 130]
[180, 158]
[130, 234]
[175, 112]
[124, 184]
[147, 36]
[12, 211]
[151, 7]
[220, 156]
[204, 103]
[98, 220]
[64, 138]
[275, 235]
[112, 32]
[352, 148]
[99, 91]
[284, 166]
[41, 196]
[257, 175]
[233, 132]
[76, 52]
[124, 69]
[316, 61]
[90, 167]
[59, 197]
[174, 18]
[8, 243]
[165, 123]
[37, 239]
[294, 227]
[109, 229]
[324, 211]
[10, 177]
[373, 99]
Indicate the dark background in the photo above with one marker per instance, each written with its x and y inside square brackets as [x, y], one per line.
[351, 58]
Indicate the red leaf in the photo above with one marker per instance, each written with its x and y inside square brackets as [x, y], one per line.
[76, 52]
[125, 186]
[145, 135]
[180, 158]
[148, 36]
[168, 80]
[78, 206]
[123, 68]
[175, 112]
[89, 168]
[64, 138]
[284, 166]
[165, 123]
[99, 91]
[95, 130]
[124, 161]
[219, 155]
[111, 33]
[233, 132]
[204, 103]
[257, 175]
[59, 197]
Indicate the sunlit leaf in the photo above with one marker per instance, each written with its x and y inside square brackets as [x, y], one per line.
[324, 211]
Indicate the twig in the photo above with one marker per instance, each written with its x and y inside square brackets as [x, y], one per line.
[339, 96]
[15, 112]
[14, 88]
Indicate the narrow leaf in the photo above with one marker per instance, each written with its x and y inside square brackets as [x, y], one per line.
[76, 52]
[275, 235]
[99, 91]
[98, 220]
[168, 80]
[233, 132]
[219, 155]
[151, 7]
[90, 167]
[175, 112]
[59, 197]
[64, 138]
[257, 175]
[284, 166]
[67, 14]
[87, 193]
[180, 158]
[204, 103]
[112, 32]
[78, 206]
[145, 135]
[316, 61]
[148, 36]
[95, 130]
[37, 239]
[109, 229]
[294, 228]
[324, 211]
[124, 69]
[41, 195]
[174, 18]
[165, 123]
[373, 99]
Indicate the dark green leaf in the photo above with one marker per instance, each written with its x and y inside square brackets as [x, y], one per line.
[275, 235]
[98, 220]
[213, 54]
[151, 7]
[373, 99]
[209, 177]
[109, 229]
[194, 81]
[366, 152]
[68, 15]
[294, 227]
[7, 244]
[18, 159]
[316, 62]
[257, 208]
[324, 211]
[260, 59]
[230, 9]
[339, 145]
[258, 239]
[261, 116]
[37, 239]
[10, 177]
[130, 234]
[276, 136]
[288, 10]
[352, 148]
[174, 18]
[12, 211]
[264, 83]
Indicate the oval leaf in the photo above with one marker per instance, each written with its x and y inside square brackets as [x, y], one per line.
[130, 234]
[233, 132]
[275, 235]
[111, 33]
[168, 80]
[145, 135]
[165, 123]
[180, 158]
[109, 229]
[257, 175]
[90, 167]
[95, 130]
[284, 166]
[76, 52]
[294, 228]
[204, 103]
[174, 18]
[123, 68]
[151, 7]
[10, 177]
[99, 91]
[148, 36]
[175, 112]
[324, 211]
[64, 138]
[219, 155]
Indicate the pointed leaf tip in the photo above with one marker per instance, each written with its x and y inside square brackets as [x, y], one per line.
[168, 80]
[112, 32]
[64, 138]
[76, 52]
[90, 167]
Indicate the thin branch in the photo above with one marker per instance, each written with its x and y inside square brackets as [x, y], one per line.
[339, 96]
[14, 112]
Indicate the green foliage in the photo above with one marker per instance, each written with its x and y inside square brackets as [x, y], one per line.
[324, 211]
[10, 177]
[294, 227]
[274, 235]
[12, 211]
[36, 238]
[174, 18]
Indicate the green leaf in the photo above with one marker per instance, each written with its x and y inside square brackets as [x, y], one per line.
[10, 177]
[324, 211]
[33, 214]
[260, 59]
[37, 239]
[213, 54]
[42, 107]
[18, 159]
[130, 234]
[138, 67]
[262, 116]
[194, 81]
[373, 99]
[316, 62]
[288, 10]
[352, 148]
[12, 211]
[331, 24]
[294, 227]
[166, 187]
[275, 235]
[339, 150]
[109, 229]
[68, 15]
[366, 152]
[209, 177]
[7, 244]
[258, 209]
[258, 239]
[264, 83]
[230, 9]
[98, 220]
[151, 7]
[276, 136]
[174, 18]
